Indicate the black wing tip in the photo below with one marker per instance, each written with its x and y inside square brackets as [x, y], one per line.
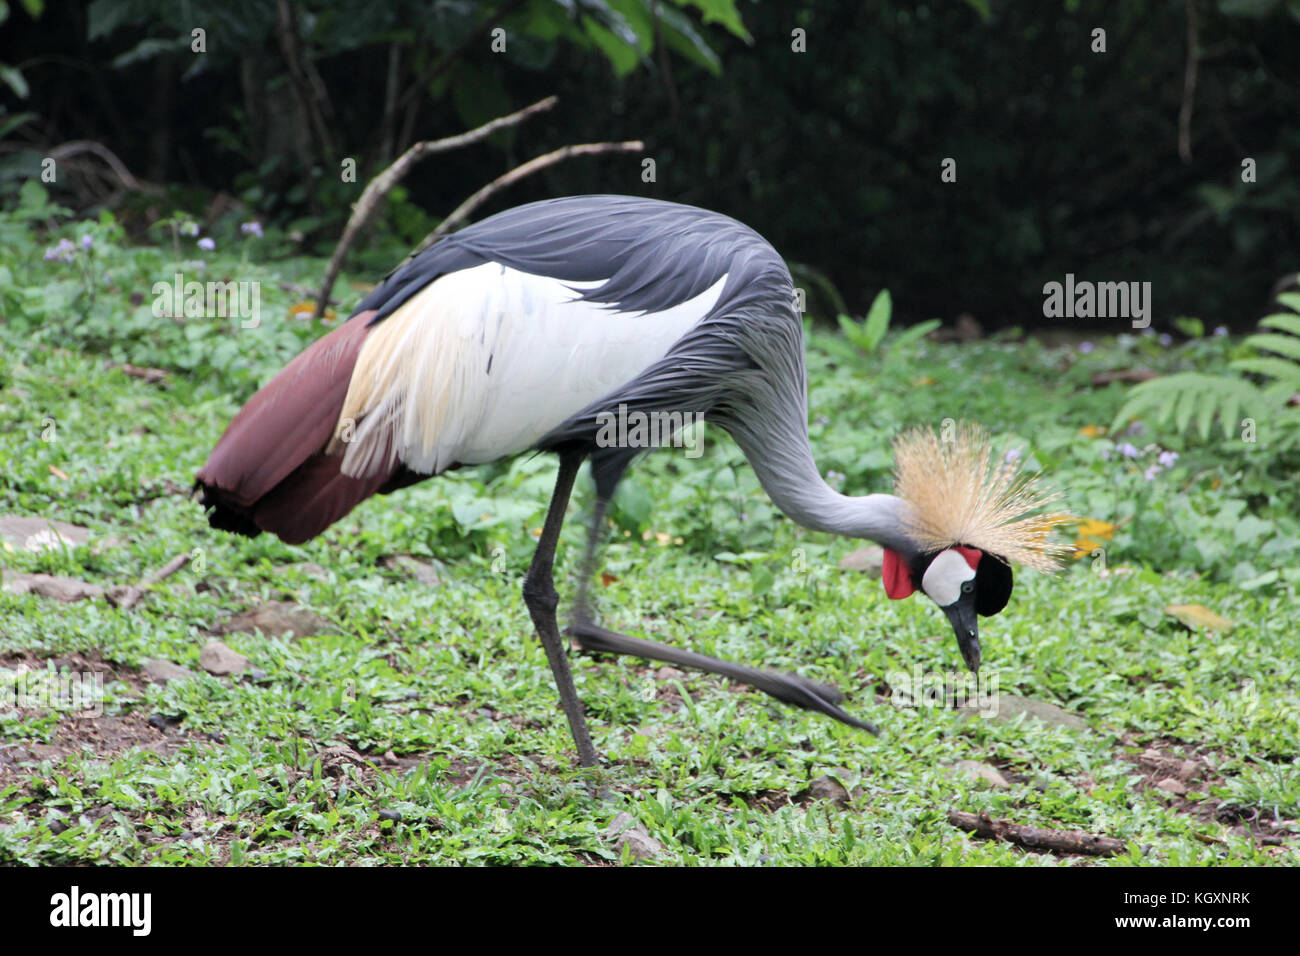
[222, 515]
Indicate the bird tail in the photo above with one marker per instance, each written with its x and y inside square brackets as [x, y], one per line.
[270, 470]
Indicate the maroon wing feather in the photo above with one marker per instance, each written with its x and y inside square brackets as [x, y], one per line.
[269, 471]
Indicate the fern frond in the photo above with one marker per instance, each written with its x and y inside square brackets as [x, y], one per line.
[1285, 321]
[1189, 395]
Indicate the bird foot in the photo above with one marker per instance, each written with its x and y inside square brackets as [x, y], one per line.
[788, 688]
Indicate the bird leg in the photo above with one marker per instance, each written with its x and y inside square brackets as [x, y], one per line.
[542, 600]
[788, 688]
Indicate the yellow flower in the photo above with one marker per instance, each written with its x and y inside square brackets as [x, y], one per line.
[1092, 431]
[1092, 533]
[306, 309]
[1092, 528]
[923, 380]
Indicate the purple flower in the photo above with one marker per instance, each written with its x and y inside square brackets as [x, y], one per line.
[1137, 428]
[207, 243]
[1086, 347]
[1221, 330]
[87, 241]
[65, 251]
[1127, 450]
[1151, 473]
[253, 228]
[1167, 458]
[1012, 456]
[1165, 339]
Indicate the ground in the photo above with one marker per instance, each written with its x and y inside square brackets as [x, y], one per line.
[394, 706]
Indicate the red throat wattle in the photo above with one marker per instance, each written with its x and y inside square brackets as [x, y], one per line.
[898, 576]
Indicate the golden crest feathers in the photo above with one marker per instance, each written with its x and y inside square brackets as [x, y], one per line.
[960, 494]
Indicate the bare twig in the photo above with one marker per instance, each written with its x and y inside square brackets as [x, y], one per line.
[76, 147]
[1058, 841]
[1189, 86]
[518, 173]
[380, 186]
[151, 376]
[128, 596]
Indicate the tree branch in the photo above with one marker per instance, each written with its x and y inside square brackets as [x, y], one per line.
[519, 172]
[381, 185]
[1059, 841]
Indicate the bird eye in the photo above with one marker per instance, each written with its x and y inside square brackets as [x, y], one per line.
[967, 587]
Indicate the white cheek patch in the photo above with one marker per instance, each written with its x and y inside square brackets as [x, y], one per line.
[944, 577]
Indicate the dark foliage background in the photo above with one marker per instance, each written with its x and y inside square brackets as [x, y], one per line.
[1067, 159]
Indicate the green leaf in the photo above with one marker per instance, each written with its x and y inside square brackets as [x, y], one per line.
[720, 11]
[14, 80]
[915, 332]
[1283, 321]
[1290, 299]
[1280, 369]
[877, 322]
[681, 37]
[1287, 345]
[623, 57]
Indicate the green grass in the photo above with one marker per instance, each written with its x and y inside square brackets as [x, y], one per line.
[446, 694]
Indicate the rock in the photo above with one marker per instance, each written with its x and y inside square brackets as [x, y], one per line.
[217, 658]
[669, 673]
[51, 586]
[1170, 785]
[870, 560]
[625, 831]
[827, 787]
[310, 568]
[337, 761]
[422, 571]
[1006, 708]
[275, 619]
[125, 596]
[160, 671]
[968, 328]
[1189, 770]
[393, 815]
[974, 770]
[37, 534]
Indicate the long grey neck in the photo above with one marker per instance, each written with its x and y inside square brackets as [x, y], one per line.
[786, 469]
[766, 411]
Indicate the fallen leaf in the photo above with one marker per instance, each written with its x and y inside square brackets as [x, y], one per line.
[1198, 616]
[58, 472]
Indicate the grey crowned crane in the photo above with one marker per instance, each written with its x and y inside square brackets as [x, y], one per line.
[524, 331]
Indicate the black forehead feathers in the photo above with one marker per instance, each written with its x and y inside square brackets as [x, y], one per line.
[993, 580]
[992, 585]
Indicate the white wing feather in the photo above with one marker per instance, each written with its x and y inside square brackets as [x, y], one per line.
[483, 362]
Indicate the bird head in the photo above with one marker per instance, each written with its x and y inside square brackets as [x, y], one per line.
[968, 516]
[963, 581]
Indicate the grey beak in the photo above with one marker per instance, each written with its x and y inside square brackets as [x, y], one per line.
[962, 615]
